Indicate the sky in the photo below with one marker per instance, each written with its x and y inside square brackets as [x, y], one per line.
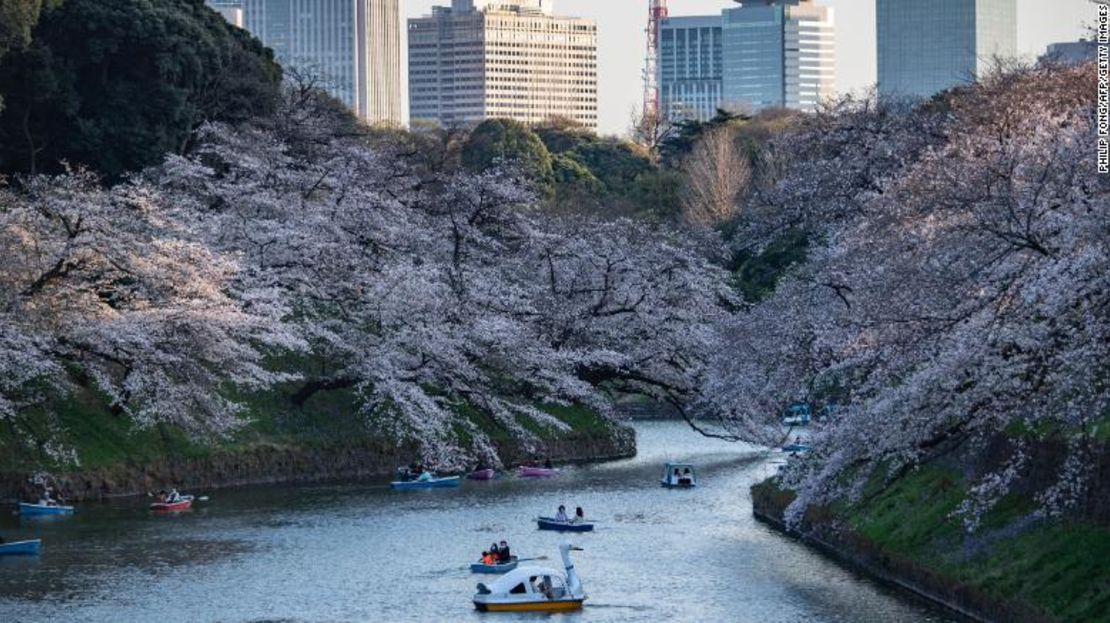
[620, 25]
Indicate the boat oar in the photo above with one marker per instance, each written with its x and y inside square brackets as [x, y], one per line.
[532, 558]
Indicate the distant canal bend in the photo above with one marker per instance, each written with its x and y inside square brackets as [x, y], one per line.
[360, 552]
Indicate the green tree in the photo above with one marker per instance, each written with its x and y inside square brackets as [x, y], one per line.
[17, 18]
[657, 194]
[561, 135]
[497, 141]
[615, 163]
[116, 84]
[576, 188]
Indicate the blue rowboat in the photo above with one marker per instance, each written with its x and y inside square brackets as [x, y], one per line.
[43, 509]
[500, 568]
[550, 523]
[21, 548]
[431, 483]
[797, 448]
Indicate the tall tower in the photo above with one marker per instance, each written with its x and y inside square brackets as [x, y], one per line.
[353, 47]
[657, 11]
[480, 59]
[926, 47]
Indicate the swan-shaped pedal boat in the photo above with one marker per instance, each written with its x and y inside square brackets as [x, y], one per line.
[534, 589]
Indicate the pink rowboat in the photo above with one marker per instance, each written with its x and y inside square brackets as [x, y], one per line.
[536, 472]
[482, 474]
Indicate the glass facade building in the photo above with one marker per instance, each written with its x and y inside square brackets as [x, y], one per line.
[926, 47]
[352, 47]
[691, 65]
[761, 54]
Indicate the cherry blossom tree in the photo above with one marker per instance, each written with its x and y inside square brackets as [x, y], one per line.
[100, 286]
[956, 286]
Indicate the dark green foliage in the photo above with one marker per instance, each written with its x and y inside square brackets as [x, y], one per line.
[115, 84]
[657, 194]
[563, 136]
[576, 187]
[757, 273]
[497, 141]
[686, 133]
[615, 163]
[17, 18]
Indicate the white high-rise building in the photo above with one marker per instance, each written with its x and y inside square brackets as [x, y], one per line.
[762, 54]
[926, 47]
[352, 47]
[480, 59]
[231, 10]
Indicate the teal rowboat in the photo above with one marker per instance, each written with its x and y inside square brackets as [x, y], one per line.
[500, 568]
[22, 548]
[44, 509]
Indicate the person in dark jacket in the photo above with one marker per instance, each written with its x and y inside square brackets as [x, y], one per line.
[503, 551]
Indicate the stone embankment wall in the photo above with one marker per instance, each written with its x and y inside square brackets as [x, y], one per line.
[274, 463]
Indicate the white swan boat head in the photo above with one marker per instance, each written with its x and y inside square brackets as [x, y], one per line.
[534, 588]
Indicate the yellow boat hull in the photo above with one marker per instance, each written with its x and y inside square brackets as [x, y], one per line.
[536, 606]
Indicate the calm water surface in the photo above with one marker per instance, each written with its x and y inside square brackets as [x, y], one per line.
[360, 552]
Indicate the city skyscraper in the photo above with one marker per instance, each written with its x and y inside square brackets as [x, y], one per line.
[691, 66]
[762, 54]
[926, 47]
[231, 10]
[479, 59]
[353, 47]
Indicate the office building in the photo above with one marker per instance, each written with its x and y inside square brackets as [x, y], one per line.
[479, 59]
[1071, 52]
[761, 54]
[231, 10]
[352, 48]
[691, 66]
[926, 47]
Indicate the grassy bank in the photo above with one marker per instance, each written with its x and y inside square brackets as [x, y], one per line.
[1055, 568]
[85, 427]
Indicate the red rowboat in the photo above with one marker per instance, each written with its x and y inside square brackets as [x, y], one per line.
[184, 503]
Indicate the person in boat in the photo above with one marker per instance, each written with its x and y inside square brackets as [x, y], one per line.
[45, 499]
[547, 463]
[503, 552]
[425, 476]
[677, 477]
[579, 516]
[495, 553]
[487, 559]
[544, 589]
[562, 514]
[686, 478]
[161, 497]
[173, 497]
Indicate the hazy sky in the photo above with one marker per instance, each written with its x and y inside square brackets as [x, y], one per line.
[620, 25]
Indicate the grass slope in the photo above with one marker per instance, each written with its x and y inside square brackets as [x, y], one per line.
[1059, 568]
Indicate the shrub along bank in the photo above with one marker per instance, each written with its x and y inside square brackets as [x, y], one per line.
[326, 438]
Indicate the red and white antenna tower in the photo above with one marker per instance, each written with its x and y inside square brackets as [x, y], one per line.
[657, 11]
